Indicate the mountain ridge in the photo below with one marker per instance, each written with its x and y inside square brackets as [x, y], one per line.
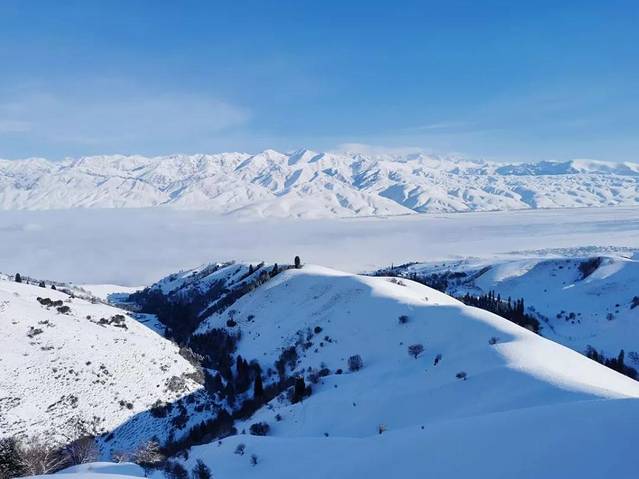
[309, 184]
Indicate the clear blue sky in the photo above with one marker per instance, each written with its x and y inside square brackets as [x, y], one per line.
[503, 80]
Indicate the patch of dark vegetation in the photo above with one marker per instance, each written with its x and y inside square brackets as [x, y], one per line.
[182, 312]
[117, 320]
[618, 363]
[514, 311]
[589, 266]
[259, 429]
[48, 302]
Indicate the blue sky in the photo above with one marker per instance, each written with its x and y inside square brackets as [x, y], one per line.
[507, 80]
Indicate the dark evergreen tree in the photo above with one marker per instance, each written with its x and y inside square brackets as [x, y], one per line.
[275, 270]
[212, 383]
[42, 285]
[18, 278]
[299, 390]
[258, 387]
[201, 471]
[251, 270]
[175, 470]
[243, 376]
[298, 262]
[53, 286]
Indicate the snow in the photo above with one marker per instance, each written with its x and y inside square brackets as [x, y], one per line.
[307, 184]
[602, 309]
[523, 410]
[578, 440]
[529, 407]
[110, 292]
[106, 468]
[57, 369]
[101, 470]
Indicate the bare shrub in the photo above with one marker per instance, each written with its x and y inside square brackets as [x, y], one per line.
[355, 363]
[82, 451]
[38, 457]
[148, 455]
[415, 350]
[259, 429]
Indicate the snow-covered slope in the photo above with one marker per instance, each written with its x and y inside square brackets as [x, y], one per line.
[309, 184]
[584, 297]
[484, 398]
[101, 470]
[528, 397]
[90, 363]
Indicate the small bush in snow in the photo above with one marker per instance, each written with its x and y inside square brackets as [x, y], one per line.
[259, 429]
[253, 460]
[493, 340]
[33, 332]
[461, 375]
[240, 449]
[403, 319]
[415, 350]
[148, 455]
[381, 429]
[438, 358]
[355, 363]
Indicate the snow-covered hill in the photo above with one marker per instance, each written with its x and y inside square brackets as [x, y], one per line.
[66, 360]
[484, 398]
[584, 297]
[309, 184]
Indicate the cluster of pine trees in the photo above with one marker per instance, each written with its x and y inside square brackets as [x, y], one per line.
[514, 311]
[618, 363]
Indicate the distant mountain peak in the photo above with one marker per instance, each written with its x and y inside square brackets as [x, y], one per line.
[310, 184]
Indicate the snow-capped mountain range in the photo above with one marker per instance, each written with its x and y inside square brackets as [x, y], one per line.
[313, 185]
